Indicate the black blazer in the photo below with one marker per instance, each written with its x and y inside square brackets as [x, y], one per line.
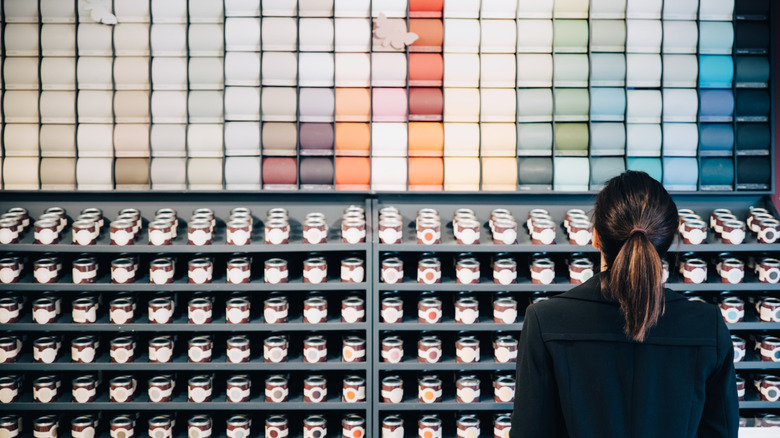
[579, 375]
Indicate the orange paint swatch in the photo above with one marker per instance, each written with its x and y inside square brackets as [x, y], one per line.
[426, 139]
[353, 139]
[353, 173]
[426, 173]
[426, 8]
[353, 105]
[430, 33]
[426, 69]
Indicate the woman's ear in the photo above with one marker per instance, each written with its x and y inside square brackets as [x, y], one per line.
[596, 241]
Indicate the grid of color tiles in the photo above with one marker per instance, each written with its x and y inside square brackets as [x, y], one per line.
[491, 95]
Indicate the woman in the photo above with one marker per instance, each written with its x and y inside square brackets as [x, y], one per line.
[620, 356]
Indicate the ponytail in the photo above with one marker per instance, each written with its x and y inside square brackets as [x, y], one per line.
[635, 282]
[636, 221]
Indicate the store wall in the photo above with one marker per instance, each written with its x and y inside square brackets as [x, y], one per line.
[459, 95]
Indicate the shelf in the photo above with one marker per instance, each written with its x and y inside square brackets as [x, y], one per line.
[486, 364]
[484, 246]
[184, 406]
[295, 364]
[180, 247]
[180, 325]
[220, 327]
[257, 365]
[757, 365]
[713, 245]
[180, 363]
[492, 406]
[754, 325]
[759, 405]
[484, 326]
[181, 285]
[518, 326]
[563, 246]
[481, 287]
[446, 405]
[561, 284]
[717, 286]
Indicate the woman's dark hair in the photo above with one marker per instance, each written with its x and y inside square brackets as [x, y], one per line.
[636, 221]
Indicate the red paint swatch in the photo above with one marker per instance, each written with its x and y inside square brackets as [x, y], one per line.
[425, 104]
[426, 8]
[426, 69]
[280, 171]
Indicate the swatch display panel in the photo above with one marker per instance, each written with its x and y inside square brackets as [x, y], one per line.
[325, 79]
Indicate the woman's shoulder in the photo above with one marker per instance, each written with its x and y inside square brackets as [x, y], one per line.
[587, 292]
[581, 308]
[584, 311]
[694, 316]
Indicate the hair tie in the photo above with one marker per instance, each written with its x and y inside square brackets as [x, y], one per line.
[638, 230]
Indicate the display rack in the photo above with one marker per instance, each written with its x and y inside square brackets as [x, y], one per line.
[334, 370]
[373, 329]
[409, 290]
[204, 92]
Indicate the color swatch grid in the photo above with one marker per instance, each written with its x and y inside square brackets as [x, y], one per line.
[385, 95]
